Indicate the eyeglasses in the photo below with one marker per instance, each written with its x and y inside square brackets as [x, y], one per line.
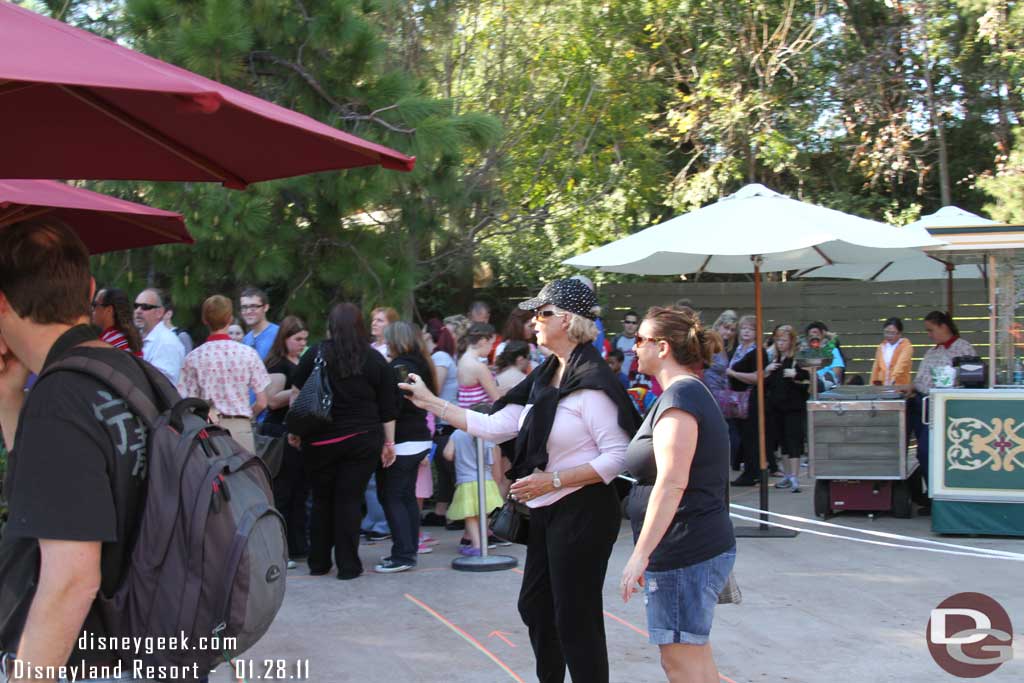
[146, 307]
[641, 340]
[252, 307]
[629, 322]
[546, 314]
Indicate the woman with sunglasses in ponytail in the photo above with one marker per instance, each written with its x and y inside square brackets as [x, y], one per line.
[685, 547]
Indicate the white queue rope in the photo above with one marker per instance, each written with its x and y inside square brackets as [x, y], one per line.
[881, 543]
[880, 534]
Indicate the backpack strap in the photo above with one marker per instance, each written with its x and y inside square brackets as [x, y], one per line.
[138, 399]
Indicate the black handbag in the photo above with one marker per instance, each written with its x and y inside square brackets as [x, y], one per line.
[270, 450]
[311, 411]
[512, 522]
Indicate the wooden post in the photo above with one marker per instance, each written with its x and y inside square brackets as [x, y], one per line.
[993, 351]
[949, 290]
[759, 350]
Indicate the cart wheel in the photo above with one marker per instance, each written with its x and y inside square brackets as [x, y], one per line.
[822, 500]
[901, 505]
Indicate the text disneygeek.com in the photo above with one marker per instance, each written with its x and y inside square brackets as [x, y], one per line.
[130, 653]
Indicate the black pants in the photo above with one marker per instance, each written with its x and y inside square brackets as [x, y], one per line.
[785, 428]
[560, 600]
[751, 449]
[291, 489]
[338, 474]
[396, 491]
[445, 469]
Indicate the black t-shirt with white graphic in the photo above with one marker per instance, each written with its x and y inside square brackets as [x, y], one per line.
[77, 473]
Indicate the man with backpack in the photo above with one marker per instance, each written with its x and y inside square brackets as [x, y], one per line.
[103, 451]
[77, 457]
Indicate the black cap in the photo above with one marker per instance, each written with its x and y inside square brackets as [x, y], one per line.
[569, 295]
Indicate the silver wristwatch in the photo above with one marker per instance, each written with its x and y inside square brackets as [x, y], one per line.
[555, 481]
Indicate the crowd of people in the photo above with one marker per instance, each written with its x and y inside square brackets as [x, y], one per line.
[563, 411]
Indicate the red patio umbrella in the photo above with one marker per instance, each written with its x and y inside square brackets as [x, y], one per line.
[74, 105]
[104, 223]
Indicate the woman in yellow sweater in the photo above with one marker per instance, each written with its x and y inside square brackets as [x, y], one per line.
[893, 357]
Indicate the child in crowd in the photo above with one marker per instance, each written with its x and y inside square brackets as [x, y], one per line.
[615, 360]
[461, 450]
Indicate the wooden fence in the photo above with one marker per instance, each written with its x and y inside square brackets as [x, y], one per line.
[854, 310]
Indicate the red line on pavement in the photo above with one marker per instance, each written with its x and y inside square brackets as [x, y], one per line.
[468, 638]
[628, 625]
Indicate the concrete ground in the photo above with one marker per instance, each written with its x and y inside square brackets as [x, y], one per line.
[814, 610]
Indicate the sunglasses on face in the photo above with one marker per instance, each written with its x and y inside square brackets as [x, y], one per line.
[540, 315]
[96, 304]
[629, 322]
[252, 307]
[641, 340]
[146, 307]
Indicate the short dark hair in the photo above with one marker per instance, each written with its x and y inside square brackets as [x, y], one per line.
[895, 322]
[633, 313]
[943, 318]
[44, 271]
[257, 292]
[617, 354]
[513, 351]
[816, 324]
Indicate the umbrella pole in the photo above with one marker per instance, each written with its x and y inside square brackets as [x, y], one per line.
[759, 350]
[762, 530]
[949, 289]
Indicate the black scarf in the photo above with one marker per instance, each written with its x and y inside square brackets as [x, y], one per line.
[586, 369]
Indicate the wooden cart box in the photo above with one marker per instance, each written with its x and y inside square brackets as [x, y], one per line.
[858, 440]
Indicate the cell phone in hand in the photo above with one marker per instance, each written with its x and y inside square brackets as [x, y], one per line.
[403, 374]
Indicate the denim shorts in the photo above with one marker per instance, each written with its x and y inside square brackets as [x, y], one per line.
[681, 602]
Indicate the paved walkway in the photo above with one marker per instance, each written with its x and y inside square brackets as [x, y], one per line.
[815, 610]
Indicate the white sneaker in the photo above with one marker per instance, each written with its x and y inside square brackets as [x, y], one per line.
[292, 564]
[795, 484]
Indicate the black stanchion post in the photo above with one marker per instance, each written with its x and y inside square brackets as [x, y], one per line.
[486, 562]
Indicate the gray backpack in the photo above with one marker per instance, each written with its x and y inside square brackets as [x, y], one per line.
[210, 554]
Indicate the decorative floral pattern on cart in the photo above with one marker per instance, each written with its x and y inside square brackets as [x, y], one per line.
[974, 444]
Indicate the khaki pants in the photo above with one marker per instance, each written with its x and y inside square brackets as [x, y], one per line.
[241, 431]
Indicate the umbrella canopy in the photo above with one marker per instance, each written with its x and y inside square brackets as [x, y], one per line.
[921, 266]
[722, 237]
[103, 223]
[80, 106]
[754, 230]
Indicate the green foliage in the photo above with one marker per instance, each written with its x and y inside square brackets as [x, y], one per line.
[544, 129]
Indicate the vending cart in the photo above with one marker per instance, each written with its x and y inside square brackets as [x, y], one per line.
[857, 439]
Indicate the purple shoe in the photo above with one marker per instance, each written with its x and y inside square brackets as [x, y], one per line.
[469, 551]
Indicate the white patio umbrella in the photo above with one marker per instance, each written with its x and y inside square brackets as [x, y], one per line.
[754, 230]
[933, 265]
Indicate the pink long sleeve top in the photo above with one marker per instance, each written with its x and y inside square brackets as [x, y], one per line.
[586, 431]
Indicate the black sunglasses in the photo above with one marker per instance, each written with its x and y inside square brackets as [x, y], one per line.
[146, 307]
[629, 322]
[546, 314]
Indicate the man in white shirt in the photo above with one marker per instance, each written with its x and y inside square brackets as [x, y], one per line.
[160, 346]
